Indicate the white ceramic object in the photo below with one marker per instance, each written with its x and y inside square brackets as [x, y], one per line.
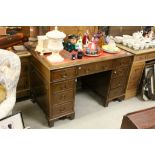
[147, 45]
[127, 37]
[42, 45]
[55, 39]
[136, 46]
[152, 44]
[118, 39]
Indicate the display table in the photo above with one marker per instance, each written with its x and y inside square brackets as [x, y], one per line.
[143, 119]
[138, 64]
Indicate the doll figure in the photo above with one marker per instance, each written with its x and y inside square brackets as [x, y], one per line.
[78, 45]
[71, 42]
[85, 39]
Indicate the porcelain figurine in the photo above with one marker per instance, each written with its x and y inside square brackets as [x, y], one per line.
[85, 39]
[99, 39]
[79, 44]
[70, 45]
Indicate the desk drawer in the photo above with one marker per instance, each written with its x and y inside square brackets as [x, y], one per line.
[85, 69]
[63, 97]
[62, 74]
[64, 85]
[151, 56]
[117, 82]
[103, 66]
[60, 110]
[140, 58]
[121, 71]
[122, 62]
[116, 92]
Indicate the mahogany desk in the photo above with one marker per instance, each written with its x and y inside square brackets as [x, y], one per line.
[53, 86]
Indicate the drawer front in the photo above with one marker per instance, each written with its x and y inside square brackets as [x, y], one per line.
[140, 58]
[63, 97]
[62, 74]
[60, 110]
[151, 56]
[122, 62]
[93, 68]
[116, 92]
[103, 66]
[60, 86]
[117, 82]
[85, 69]
[121, 71]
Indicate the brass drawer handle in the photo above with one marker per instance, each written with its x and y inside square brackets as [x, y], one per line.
[63, 97]
[115, 72]
[79, 68]
[64, 75]
[65, 86]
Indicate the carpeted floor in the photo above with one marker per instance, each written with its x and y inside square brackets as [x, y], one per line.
[89, 114]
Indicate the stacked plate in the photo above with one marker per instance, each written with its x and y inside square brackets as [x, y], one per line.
[110, 49]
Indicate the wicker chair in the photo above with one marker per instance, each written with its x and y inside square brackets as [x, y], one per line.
[10, 67]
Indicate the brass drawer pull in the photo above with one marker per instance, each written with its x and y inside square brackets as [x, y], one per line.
[64, 75]
[79, 68]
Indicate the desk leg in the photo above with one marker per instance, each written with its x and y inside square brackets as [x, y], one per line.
[72, 116]
[51, 123]
[105, 104]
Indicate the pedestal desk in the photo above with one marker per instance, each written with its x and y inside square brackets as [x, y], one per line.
[53, 86]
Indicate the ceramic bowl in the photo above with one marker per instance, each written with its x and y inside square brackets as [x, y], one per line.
[136, 46]
[118, 39]
[125, 43]
[127, 37]
[147, 45]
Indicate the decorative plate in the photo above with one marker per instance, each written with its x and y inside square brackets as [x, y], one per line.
[92, 55]
[110, 49]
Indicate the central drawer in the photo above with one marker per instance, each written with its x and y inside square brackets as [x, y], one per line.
[93, 68]
[63, 97]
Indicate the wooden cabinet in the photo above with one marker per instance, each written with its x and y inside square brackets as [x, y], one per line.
[137, 67]
[23, 87]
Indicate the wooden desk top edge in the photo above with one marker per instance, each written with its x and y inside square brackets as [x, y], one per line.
[75, 62]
